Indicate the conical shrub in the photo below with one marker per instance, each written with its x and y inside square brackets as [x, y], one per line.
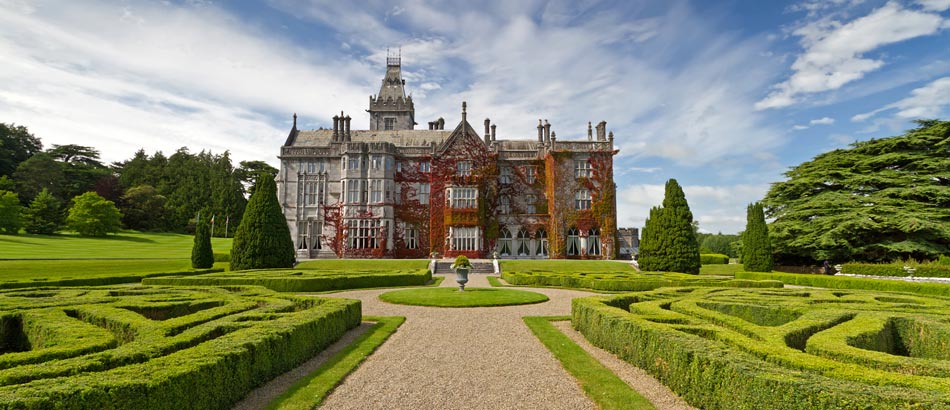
[668, 238]
[756, 247]
[262, 240]
[202, 257]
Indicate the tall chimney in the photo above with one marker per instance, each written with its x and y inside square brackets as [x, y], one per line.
[590, 132]
[493, 133]
[610, 137]
[540, 131]
[464, 115]
[295, 121]
[441, 123]
[547, 130]
[347, 120]
[336, 127]
[602, 131]
[553, 136]
[487, 130]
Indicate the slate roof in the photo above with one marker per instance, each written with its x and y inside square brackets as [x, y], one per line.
[399, 138]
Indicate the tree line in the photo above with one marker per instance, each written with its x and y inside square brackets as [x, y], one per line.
[40, 189]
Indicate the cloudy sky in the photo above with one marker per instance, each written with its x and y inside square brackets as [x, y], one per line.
[723, 96]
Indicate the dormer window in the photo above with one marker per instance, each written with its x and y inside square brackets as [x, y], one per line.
[463, 168]
[389, 124]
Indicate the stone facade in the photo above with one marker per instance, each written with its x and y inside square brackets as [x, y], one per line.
[394, 191]
[628, 240]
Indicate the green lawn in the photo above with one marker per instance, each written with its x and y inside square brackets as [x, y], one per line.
[60, 269]
[126, 245]
[451, 297]
[563, 265]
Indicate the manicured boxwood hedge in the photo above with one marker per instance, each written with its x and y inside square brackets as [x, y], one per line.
[722, 348]
[100, 280]
[156, 348]
[713, 259]
[626, 281]
[301, 280]
[846, 282]
[932, 270]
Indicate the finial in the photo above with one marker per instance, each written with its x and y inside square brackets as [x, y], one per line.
[590, 131]
[295, 120]
[464, 105]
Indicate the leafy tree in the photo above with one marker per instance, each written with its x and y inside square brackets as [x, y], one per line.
[93, 215]
[82, 170]
[262, 240]
[16, 145]
[7, 184]
[10, 210]
[670, 229]
[249, 171]
[879, 200]
[44, 215]
[720, 243]
[143, 208]
[757, 251]
[40, 172]
[202, 257]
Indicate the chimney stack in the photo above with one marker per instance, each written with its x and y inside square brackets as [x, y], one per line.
[602, 131]
[540, 131]
[336, 127]
[493, 133]
[441, 123]
[553, 136]
[347, 119]
[547, 130]
[610, 137]
[295, 121]
[487, 130]
[590, 132]
[464, 114]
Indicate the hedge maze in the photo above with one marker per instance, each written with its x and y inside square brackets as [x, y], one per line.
[302, 280]
[155, 347]
[727, 348]
[626, 281]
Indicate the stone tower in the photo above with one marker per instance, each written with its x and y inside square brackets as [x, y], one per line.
[391, 109]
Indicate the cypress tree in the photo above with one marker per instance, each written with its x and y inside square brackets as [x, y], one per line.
[262, 240]
[648, 241]
[756, 247]
[44, 215]
[202, 257]
[671, 243]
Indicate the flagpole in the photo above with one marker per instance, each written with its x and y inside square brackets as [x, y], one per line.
[227, 220]
[212, 226]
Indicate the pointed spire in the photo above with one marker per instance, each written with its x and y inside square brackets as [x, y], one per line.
[295, 120]
[590, 131]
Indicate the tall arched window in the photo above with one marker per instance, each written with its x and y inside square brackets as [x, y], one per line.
[523, 238]
[504, 243]
[542, 236]
[593, 241]
[573, 242]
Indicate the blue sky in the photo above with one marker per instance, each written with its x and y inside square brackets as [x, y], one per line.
[723, 96]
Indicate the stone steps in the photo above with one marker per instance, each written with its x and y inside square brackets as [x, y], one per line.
[477, 267]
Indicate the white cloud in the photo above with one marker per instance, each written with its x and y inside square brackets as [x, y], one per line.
[717, 208]
[822, 121]
[929, 101]
[835, 52]
[934, 5]
[800, 127]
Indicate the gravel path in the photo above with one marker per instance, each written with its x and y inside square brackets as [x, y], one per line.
[465, 358]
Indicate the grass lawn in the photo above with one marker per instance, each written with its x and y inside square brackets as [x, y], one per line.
[310, 391]
[565, 265]
[60, 269]
[451, 297]
[598, 382]
[363, 264]
[723, 270]
[126, 245]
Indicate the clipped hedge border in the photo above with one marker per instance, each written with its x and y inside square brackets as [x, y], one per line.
[214, 373]
[711, 375]
[845, 282]
[713, 259]
[932, 270]
[101, 280]
[635, 282]
[297, 281]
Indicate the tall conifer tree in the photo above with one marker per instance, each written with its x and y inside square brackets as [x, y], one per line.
[44, 215]
[756, 248]
[262, 240]
[202, 257]
[669, 239]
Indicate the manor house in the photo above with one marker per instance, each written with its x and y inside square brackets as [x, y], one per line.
[397, 191]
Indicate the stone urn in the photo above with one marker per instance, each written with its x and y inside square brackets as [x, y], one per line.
[461, 268]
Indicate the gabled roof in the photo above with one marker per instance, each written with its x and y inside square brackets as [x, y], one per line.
[462, 132]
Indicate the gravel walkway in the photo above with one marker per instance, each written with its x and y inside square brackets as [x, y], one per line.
[466, 358]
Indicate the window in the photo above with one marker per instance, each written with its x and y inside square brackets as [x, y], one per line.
[389, 191]
[376, 191]
[377, 161]
[389, 163]
[582, 199]
[504, 206]
[593, 241]
[389, 124]
[464, 238]
[542, 236]
[311, 193]
[398, 166]
[354, 163]
[581, 168]
[523, 238]
[504, 244]
[397, 195]
[323, 165]
[505, 177]
[424, 194]
[315, 230]
[412, 238]
[302, 235]
[463, 168]
[530, 174]
[573, 242]
[311, 167]
[464, 198]
[353, 193]
[530, 201]
[424, 166]
[362, 233]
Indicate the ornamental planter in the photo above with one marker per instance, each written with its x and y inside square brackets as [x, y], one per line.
[461, 276]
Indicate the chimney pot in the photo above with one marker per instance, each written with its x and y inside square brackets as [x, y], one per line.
[336, 127]
[493, 132]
